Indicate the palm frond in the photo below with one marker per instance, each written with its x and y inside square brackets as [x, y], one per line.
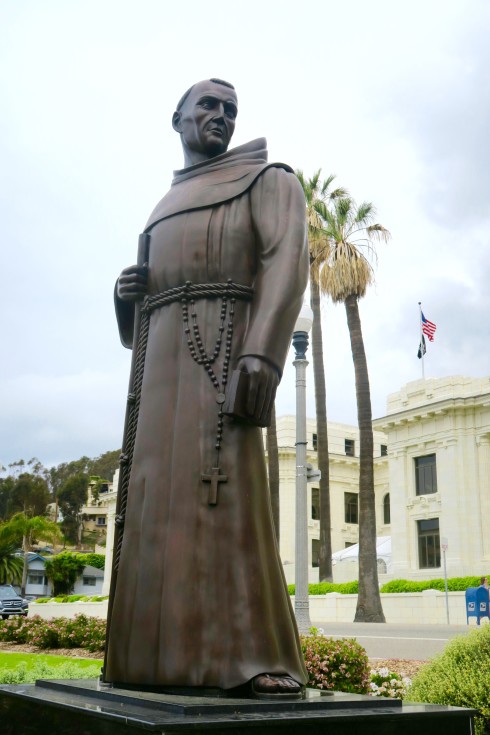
[378, 232]
[365, 212]
[338, 193]
[343, 208]
[347, 273]
[326, 185]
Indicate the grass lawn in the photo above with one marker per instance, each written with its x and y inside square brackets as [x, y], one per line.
[11, 660]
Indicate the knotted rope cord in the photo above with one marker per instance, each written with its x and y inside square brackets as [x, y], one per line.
[188, 293]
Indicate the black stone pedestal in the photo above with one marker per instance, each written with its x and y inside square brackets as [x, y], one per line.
[81, 707]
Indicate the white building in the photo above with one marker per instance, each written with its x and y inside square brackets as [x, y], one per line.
[343, 443]
[438, 436]
[431, 476]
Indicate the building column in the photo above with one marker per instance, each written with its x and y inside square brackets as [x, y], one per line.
[483, 453]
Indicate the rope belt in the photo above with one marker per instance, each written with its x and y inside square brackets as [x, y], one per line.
[187, 295]
[195, 291]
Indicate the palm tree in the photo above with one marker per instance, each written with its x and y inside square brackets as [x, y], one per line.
[344, 274]
[10, 565]
[318, 195]
[27, 530]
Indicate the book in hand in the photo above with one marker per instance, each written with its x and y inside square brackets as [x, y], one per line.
[236, 400]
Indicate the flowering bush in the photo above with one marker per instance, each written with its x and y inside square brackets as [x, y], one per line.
[79, 632]
[335, 664]
[385, 683]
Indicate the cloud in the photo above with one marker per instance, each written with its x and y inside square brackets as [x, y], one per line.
[62, 417]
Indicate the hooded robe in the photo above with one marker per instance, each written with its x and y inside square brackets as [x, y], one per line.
[200, 598]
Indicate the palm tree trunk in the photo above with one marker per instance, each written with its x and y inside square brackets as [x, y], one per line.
[273, 467]
[369, 609]
[325, 555]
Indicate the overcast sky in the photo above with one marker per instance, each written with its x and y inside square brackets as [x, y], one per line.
[393, 97]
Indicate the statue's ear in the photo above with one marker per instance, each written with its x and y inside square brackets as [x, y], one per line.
[176, 117]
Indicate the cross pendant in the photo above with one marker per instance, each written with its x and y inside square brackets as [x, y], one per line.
[214, 478]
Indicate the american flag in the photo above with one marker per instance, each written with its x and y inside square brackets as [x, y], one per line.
[428, 328]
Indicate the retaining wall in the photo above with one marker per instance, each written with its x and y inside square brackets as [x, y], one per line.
[413, 607]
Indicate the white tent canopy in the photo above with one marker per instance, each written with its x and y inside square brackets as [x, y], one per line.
[351, 553]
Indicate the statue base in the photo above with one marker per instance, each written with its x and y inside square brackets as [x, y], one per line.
[72, 707]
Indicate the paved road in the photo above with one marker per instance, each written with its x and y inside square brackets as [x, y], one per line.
[385, 640]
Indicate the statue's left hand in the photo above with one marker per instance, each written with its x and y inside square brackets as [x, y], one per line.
[263, 383]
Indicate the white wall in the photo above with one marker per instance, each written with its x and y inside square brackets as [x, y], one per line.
[411, 608]
[49, 610]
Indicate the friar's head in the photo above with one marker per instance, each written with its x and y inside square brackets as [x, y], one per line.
[205, 119]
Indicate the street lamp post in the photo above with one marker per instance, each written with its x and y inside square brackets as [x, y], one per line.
[300, 344]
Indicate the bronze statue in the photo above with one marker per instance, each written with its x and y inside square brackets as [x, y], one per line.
[198, 595]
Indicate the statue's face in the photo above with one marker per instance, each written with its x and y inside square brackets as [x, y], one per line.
[206, 120]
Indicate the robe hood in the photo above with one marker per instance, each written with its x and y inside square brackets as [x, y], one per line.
[214, 181]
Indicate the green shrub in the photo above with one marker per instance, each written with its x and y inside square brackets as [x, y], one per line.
[344, 588]
[93, 560]
[21, 674]
[71, 598]
[459, 676]
[455, 584]
[63, 570]
[81, 631]
[335, 664]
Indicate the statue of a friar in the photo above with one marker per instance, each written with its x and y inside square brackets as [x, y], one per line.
[198, 597]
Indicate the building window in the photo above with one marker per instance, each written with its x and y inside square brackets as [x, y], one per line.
[36, 578]
[89, 581]
[101, 521]
[429, 543]
[386, 510]
[314, 441]
[351, 508]
[350, 447]
[315, 503]
[384, 450]
[425, 475]
[315, 553]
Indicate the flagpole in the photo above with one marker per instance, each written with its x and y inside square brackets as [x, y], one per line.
[421, 340]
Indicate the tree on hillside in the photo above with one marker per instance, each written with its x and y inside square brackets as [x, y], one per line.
[6, 486]
[102, 466]
[318, 194]
[25, 530]
[59, 475]
[344, 273]
[28, 494]
[71, 496]
[105, 465]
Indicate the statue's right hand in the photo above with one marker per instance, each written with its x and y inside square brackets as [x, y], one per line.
[132, 284]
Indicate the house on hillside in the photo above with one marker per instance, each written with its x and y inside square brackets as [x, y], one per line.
[89, 581]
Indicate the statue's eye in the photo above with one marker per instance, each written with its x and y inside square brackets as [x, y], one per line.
[231, 111]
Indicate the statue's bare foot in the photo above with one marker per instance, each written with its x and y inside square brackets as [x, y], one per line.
[274, 685]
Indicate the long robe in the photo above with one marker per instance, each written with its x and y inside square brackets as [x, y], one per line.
[200, 598]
